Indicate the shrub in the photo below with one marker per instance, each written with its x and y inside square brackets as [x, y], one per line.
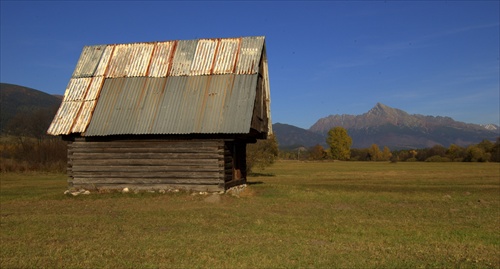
[262, 154]
[475, 153]
[21, 154]
[437, 158]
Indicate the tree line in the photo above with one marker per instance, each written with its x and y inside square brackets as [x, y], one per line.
[340, 142]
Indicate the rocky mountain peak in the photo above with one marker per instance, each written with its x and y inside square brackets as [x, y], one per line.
[385, 111]
[381, 114]
[380, 109]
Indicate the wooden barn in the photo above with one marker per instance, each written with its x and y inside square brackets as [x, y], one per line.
[160, 115]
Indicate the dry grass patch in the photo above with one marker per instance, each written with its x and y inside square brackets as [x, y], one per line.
[294, 215]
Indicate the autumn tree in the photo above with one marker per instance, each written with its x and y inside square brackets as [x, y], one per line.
[475, 153]
[455, 153]
[386, 154]
[486, 145]
[340, 143]
[374, 153]
[317, 153]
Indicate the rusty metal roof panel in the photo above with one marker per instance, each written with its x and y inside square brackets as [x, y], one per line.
[204, 57]
[175, 105]
[196, 105]
[149, 105]
[130, 60]
[104, 62]
[89, 59]
[183, 57]
[211, 111]
[64, 118]
[83, 117]
[94, 88]
[249, 55]
[127, 106]
[113, 111]
[100, 116]
[238, 114]
[77, 89]
[161, 59]
[227, 54]
[174, 108]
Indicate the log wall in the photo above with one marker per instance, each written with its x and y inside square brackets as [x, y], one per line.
[200, 165]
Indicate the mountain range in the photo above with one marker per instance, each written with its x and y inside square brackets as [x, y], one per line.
[381, 125]
[391, 127]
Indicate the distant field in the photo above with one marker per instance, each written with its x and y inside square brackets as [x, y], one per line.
[292, 215]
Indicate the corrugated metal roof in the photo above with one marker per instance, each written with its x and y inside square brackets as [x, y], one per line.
[84, 116]
[77, 89]
[175, 105]
[65, 117]
[161, 59]
[102, 67]
[94, 89]
[130, 60]
[172, 87]
[89, 59]
[183, 57]
[249, 56]
[227, 52]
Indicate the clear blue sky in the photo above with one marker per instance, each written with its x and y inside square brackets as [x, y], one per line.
[438, 58]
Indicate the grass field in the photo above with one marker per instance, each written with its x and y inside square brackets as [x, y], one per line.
[292, 215]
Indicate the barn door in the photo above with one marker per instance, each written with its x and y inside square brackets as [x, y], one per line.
[239, 161]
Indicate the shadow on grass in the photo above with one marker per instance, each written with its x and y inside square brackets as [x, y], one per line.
[252, 174]
[254, 182]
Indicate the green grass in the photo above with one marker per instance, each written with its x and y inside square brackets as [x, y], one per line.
[292, 215]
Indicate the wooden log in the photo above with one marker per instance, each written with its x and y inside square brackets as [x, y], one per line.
[146, 168]
[134, 174]
[145, 149]
[142, 144]
[151, 162]
[144, 155]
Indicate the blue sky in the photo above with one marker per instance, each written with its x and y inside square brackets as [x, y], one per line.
[438, 58]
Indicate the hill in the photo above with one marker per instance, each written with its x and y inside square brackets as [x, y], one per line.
[395, 128]
[15, 99]
[290, 136]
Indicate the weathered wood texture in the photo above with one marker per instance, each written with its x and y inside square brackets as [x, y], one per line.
[261, 110]
[204, 165]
